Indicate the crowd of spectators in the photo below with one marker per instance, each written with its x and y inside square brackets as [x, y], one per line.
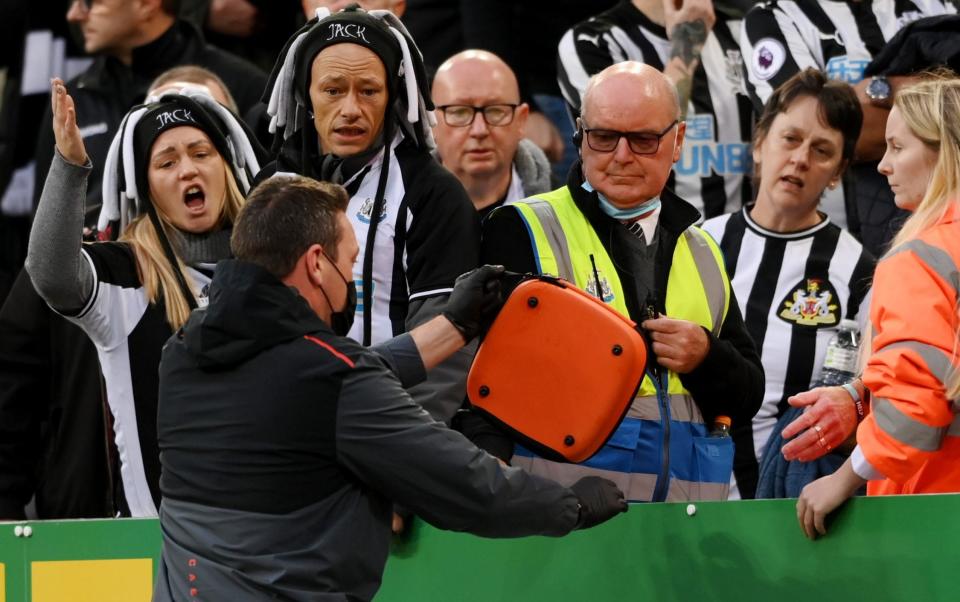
[437, 118]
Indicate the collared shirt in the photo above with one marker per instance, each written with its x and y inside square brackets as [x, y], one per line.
[647, 223]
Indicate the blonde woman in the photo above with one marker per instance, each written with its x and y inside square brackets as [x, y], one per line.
[910, 440]
[174, 181]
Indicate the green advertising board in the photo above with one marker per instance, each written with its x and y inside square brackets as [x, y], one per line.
[879, 549]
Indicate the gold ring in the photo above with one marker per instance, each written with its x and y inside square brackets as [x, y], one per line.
[823, 443]
[819, 430]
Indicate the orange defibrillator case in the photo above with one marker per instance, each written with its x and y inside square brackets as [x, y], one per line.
[558, 368]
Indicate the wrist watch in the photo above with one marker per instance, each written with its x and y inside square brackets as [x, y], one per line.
[879, 90]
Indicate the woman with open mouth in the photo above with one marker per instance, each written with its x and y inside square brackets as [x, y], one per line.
[174, 180]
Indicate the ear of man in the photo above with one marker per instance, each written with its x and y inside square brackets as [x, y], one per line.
[314, 264]
[578, 134]
[681, 132]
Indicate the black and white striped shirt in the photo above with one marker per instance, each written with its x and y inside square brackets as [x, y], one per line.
[793, 290]
[129, 333]
[713, 172]
[781, 37]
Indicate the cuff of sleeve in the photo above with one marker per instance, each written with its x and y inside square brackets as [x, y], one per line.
[403, 359]
[862, 466]
[88, 166]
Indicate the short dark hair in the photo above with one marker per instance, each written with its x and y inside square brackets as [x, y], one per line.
[282, 217]
[839, 107]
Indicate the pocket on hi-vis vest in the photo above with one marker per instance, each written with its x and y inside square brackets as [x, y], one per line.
[714, 459]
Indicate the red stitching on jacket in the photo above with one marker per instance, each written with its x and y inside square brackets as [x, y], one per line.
[346, 360]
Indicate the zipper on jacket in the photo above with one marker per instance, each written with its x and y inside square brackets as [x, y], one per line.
[660, 380]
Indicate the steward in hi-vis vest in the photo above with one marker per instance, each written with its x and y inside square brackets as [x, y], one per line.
[661, 451]
[615, 232]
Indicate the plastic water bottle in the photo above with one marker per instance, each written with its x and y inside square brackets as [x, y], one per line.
[840, 363]
[721, 426]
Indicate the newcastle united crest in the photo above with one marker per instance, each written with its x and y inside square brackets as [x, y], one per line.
[366, 211]
[813, 302]
[606, 292]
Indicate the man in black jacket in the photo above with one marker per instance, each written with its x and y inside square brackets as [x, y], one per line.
[134, 43]
[349, 104]
[616, 231]
[282, 441]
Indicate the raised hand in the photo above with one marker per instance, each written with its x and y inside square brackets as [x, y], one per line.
[65, 129]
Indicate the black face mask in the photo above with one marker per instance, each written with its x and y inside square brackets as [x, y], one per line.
[341, 321]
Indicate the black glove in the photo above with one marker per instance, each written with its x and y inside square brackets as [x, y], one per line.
[475, 300]
[600, 500]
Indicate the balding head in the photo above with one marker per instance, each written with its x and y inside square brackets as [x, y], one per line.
[628, 86]
[478, 147]
[633, 98]
[470, 65]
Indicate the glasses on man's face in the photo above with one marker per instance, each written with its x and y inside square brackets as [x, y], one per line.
[641, 143]
[459, 116]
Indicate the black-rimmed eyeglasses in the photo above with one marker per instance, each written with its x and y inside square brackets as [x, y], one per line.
[459, 116]
[641, 143]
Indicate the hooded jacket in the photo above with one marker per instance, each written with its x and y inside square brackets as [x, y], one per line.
[533, 167]
[282, 444]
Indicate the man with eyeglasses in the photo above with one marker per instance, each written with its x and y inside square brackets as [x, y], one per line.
[480, 129]
[696, 45]
[615, 231]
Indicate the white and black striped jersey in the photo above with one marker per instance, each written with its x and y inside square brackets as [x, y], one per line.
[714, 169]
[781, 37]
[793, 289]
[129, 333]
[426, 236]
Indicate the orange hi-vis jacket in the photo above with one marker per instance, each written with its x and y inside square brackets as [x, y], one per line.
[912, 434]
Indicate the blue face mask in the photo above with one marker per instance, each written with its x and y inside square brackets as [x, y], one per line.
[622, 214]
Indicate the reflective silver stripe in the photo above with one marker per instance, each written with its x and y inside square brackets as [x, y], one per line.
[938, 364]
[688, 491]
[954, 430]
[682, 408]
[710, 275]
[555, 237]
[905, 429]
[644, 408]
[936, 259]
[642, 486]
[637, 486]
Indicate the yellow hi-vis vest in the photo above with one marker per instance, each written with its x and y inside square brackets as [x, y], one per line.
[660, 451]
